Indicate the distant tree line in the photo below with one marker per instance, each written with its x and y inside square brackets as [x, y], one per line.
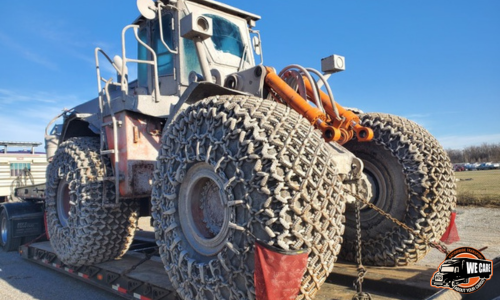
[476, 154]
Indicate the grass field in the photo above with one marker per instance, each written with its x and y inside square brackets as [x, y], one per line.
[481, 188]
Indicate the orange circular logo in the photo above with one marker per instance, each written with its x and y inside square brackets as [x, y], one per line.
[464, 270]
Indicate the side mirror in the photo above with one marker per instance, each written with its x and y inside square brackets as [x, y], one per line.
[257, 45]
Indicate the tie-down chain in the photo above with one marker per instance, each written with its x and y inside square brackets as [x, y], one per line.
[361, 270]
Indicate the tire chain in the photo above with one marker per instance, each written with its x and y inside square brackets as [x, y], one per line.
[426, 166]
[237, 130]
[94, 233]
[433, 244]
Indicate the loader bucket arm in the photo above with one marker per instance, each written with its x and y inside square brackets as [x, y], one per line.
[339, 128]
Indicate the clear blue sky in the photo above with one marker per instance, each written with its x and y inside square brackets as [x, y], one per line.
[434, 62]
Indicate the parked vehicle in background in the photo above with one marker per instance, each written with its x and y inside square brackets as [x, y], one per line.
[20, 165]
[488, 166]
[483, 166]
[459, 168]
[471, 167]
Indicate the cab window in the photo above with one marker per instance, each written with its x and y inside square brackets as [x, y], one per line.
[142, 54]
[165, 58]
[191, 61]
[226, 36]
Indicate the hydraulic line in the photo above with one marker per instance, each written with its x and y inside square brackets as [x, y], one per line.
[299, 70]
[350, 121]
[292, 98]
[296, 87]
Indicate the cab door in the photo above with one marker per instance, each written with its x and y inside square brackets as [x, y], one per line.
[167, 58]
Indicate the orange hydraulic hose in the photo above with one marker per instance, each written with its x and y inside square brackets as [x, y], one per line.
[299, 104]
[350, 121]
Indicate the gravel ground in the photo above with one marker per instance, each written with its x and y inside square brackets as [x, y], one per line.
[478, 227]
[24, 280]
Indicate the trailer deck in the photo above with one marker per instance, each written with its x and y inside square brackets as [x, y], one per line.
[147, 281]
[140, 275]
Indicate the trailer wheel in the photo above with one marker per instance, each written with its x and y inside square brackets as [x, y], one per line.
[83, 231]
[412, 179]
[234, 165]
[7, 241]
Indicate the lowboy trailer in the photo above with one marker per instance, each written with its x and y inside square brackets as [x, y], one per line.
[140, 274]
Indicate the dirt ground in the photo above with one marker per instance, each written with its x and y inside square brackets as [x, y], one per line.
[478, 227]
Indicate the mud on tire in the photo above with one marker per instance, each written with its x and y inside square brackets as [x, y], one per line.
[412, 179]
[236, 164]
[82, 231]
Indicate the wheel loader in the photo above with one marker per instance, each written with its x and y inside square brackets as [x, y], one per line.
[222, 150]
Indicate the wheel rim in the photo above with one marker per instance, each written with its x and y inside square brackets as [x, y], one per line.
[382, 195]
[4, 230]
[379, 189]
[378, 185]
[204, 210]
[63, 202]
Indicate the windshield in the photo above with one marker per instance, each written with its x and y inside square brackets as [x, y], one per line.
[227, 44]
[226, 36]
[228, 48]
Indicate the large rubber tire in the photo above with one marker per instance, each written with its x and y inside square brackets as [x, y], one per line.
[231, 165]
[82, 231]
[413, 180]
[7, 241]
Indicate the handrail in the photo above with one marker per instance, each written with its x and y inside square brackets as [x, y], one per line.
[121, 70]
[153, 62]
[113, 120]
[115, 145]
[54, 119]
[160, 6]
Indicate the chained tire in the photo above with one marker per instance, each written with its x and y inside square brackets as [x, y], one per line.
[82, 231]
[232, 168]
[412, 180]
